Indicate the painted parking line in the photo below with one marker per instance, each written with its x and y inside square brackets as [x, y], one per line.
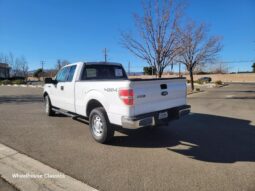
[26, 173]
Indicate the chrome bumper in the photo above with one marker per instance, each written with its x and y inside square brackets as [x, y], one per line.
[151, 119]
[136, 123]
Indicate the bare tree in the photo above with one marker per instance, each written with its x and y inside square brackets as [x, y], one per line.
[196, 48]
[8, 59]
[156, 28]
[61, 63]
[220, 68]
[58, 65]
[20, 67]
[2, 58]
[23, 66]
[16, 68]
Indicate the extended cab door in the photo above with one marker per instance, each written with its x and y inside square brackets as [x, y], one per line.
[63, 92]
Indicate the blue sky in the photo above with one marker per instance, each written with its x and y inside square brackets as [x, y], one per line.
[80, 29]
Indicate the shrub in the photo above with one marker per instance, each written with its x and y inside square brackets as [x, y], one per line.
[218, 82]
[188, 81]
[149, 70]
[198, 89]
[6, 82]
[201, 73]
[199, 82]
[18, 82]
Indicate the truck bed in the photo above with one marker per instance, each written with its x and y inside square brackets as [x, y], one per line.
[153, 79]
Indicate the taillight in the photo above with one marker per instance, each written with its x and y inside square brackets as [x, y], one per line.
[127, 96]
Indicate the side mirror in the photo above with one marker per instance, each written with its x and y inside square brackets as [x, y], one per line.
[49, 81]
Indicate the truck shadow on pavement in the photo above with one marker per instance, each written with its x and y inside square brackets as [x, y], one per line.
[20, 99]
[199, 136]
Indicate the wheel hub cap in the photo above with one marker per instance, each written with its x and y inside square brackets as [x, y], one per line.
[97, 126]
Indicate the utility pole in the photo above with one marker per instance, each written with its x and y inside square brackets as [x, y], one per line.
[179, 69]
[42, 63]
[129, 68]
[58, 64]
[105, 55]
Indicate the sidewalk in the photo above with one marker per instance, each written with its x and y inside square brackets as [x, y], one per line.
[27, 174]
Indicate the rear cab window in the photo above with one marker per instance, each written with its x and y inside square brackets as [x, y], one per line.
[103, 72]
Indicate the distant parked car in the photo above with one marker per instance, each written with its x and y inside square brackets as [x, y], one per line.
[205, 80]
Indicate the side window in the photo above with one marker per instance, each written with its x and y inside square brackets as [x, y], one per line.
[58, 74]
[71, 73]
[62, 74]
[91, 73]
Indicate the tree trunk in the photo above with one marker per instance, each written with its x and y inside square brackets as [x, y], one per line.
[160, 72]
[191, 79]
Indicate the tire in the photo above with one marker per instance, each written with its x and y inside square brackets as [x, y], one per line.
[48, 106]
[100, 127]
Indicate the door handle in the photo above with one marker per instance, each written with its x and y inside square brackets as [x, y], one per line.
[62, 87]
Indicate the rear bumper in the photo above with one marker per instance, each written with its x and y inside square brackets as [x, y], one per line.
[151, 119]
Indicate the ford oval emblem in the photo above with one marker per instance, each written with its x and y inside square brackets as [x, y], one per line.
[164, 93]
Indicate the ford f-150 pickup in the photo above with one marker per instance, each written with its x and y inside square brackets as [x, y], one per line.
[102, 93]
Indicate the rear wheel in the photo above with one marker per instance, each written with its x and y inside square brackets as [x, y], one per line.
[100, 127]
[48, 106]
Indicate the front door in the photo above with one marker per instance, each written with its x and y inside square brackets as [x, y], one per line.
[63, 95]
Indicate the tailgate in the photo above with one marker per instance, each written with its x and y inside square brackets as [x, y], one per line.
[156, 95]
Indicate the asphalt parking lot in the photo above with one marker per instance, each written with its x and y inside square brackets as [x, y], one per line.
[211, 149]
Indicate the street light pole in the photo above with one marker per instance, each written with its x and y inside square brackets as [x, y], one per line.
[179, 69]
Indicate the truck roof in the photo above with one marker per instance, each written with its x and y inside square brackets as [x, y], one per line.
[96, 63]
[107, 63]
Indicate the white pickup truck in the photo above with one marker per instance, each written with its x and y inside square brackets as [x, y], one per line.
[102, 93]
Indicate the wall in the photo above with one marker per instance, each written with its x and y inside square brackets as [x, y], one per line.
[247, 77]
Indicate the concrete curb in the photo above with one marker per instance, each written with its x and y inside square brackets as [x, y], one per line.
[25, 86]
[26, 173]
[189, 94]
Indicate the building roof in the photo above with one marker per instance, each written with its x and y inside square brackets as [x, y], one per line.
[4, 65]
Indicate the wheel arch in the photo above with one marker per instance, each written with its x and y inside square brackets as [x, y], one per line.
[45, 94]
[92, 104]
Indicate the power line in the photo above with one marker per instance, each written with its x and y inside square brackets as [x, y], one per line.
[239, 61]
